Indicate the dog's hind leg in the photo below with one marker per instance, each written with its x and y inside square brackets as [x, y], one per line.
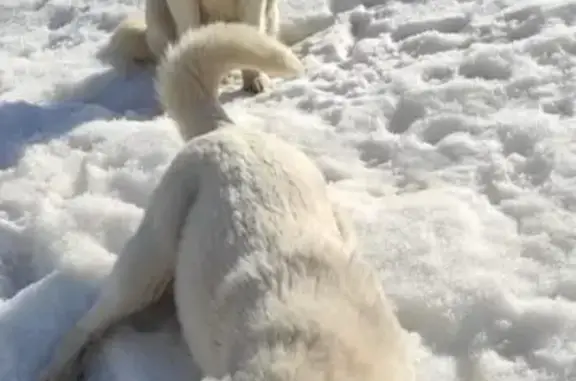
[141, 274]
[133, 284]
[160, 27]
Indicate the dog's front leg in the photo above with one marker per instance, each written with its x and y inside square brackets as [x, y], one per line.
[253, 12]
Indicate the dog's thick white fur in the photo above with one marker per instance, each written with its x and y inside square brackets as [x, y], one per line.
[144, 38]
[266, 282]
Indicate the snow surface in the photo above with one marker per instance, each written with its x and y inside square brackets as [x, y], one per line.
[446, 127]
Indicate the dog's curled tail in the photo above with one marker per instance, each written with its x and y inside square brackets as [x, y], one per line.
[127, 45]
[190, 72]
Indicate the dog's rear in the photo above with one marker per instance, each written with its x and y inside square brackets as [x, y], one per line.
[282, 297]
[127, 45]
[141, 38]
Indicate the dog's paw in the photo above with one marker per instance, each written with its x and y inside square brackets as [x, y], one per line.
[227, 79]
[256, 84]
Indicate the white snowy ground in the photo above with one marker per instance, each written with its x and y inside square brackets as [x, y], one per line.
[446, 127]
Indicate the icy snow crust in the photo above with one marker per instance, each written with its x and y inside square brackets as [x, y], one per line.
[446, 128]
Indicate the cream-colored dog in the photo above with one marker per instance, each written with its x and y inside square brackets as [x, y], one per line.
[267, 284]
[145, 39]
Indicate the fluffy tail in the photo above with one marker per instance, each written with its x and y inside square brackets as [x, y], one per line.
[190, 72]
[128, 45]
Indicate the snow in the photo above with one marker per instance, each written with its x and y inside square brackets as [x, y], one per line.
[445, 127]
[301, 18]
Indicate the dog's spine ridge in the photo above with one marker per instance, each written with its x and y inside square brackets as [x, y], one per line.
[188, 76]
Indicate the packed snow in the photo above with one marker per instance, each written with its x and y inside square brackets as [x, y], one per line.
[445, 127]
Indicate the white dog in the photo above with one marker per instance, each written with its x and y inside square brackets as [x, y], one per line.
[145, 39]
[266, 282]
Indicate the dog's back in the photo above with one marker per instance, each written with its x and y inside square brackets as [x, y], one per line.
[266, 285]
[258, 201]
[263, 281]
